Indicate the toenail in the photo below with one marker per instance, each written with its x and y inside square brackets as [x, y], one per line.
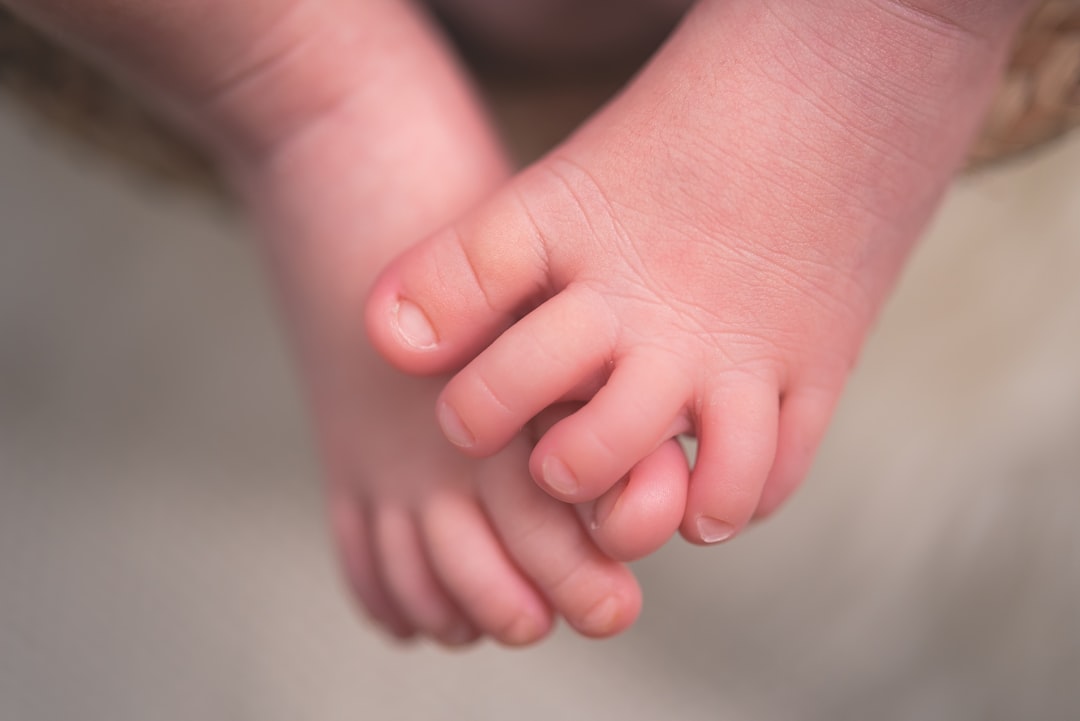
[413, 325]
[453, 428]
[713, 530]
[558, 477]
[601, 619]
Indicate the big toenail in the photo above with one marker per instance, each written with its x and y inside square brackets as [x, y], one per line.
[558, 477]
[453, 428]
[713, 530]
[413, 325]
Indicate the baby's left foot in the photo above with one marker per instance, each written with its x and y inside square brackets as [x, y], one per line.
[707, 254]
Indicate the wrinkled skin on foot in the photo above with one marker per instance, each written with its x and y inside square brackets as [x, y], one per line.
[706, 255]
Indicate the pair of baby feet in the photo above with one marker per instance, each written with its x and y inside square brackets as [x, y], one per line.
[702, 257]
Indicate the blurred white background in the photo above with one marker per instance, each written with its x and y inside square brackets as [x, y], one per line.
[163, 554]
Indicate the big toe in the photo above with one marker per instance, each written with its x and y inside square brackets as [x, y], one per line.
[446, 298]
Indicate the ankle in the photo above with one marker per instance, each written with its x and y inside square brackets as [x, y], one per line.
[281, 91]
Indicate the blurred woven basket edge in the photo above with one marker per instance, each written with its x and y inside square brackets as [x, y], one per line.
[86, 105]
[1039, 99]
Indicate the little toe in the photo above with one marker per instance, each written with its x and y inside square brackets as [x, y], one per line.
[641, 406]
[535, 363]
[407, 573]
[595, 594]
[736, 445]
[640, 513]
[439, 303]
[354, 547]
[476, 571]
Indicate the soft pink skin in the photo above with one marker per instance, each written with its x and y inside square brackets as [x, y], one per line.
[707, 253]
[352, 133]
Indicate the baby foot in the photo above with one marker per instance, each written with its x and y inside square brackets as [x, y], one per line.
[707, 254]
[434, 543]
[438, 544]
[351, 132]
